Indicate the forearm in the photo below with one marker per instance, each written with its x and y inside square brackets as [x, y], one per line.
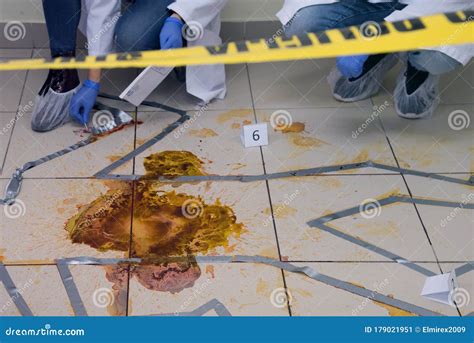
[95, 75]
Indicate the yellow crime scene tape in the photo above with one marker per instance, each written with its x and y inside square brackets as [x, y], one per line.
[411, 34]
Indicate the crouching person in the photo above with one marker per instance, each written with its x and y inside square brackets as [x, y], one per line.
[165, 24]
[62, 96]
[359, 77]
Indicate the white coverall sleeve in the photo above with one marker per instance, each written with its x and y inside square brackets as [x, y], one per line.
[202, 11]
[98, 21]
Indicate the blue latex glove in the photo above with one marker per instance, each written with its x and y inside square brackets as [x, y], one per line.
[351, 66]
[171, 36]
[83, 101]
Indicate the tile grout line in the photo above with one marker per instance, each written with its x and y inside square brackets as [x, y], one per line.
[15, 119]
[270, 199]
[414, 205]
[410, 193]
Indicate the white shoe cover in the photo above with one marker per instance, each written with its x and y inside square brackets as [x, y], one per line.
[51, 110]
[368, 85]
[420, 103]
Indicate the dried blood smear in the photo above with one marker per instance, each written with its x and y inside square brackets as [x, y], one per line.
[165, 224]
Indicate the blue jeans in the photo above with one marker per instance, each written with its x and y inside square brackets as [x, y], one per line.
[356, 12]
[62, 19]
[140, 26]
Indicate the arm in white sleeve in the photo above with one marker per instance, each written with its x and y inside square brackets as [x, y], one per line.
[201, 11]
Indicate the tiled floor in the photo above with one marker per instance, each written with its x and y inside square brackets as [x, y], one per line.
[428, 221]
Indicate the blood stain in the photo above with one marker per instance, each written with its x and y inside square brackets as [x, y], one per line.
[295, 127]
[166, 225]
[203, 133]
[307, 142]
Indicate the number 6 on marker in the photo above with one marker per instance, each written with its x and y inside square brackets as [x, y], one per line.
[254, 135]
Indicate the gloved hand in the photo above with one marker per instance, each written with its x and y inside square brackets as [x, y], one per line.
[83, 101]
[351, 66]
[171, 36]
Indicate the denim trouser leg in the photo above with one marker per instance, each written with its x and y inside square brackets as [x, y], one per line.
[140, 26]
[339, 14]
[433, 62]
[62, 20]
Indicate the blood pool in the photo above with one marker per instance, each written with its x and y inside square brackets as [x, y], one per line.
[165, 224]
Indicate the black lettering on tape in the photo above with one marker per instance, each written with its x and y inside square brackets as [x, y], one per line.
[129, 56]
[305, 41]
[284, 42]
[414, 25]
[322, 37]
[460, 17]
[218, 50]
[347, 33]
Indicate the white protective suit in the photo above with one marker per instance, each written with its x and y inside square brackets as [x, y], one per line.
[98, 20]
[205, 82]
[414, 8]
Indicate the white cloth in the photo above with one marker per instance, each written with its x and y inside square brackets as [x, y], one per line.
[414, 8]
[205, 82]
[98, 20]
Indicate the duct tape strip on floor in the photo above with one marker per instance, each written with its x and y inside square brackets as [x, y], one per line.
[13, 187]
[79, 308]
[411, 34]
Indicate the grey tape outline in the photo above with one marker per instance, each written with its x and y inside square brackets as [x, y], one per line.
[71, 289]
[13, 292]
[287, 266]
[464, 269]
[212, 304]
[320, 223]
[105, 173]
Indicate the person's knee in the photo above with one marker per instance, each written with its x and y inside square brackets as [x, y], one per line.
[310, 19]
[433, 62]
